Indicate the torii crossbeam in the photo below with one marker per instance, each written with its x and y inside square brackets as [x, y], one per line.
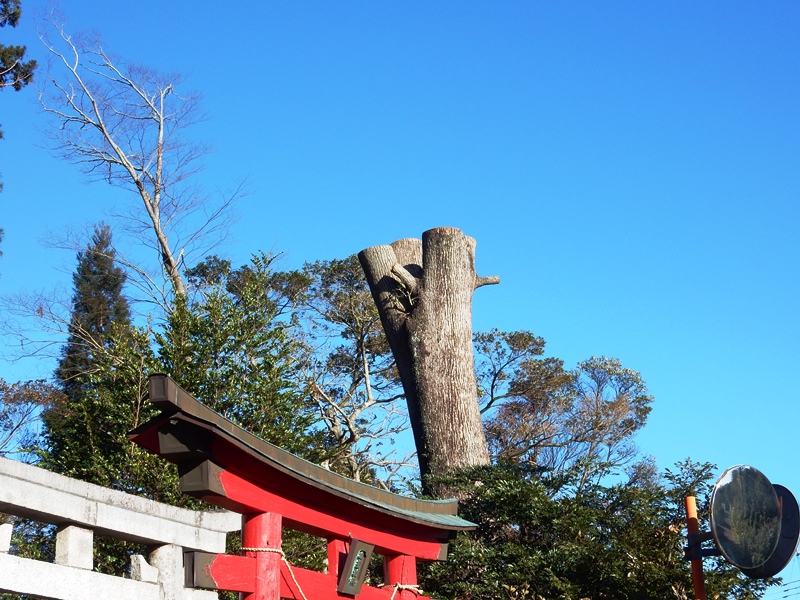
[222, 464]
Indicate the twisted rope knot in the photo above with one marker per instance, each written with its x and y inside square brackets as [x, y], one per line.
[275, 550]
[284, 559]
[399, 587]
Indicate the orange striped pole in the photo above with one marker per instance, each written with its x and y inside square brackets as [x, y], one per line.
[693, 528]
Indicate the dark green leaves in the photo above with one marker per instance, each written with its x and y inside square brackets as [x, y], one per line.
[15, 71]
[615, 542]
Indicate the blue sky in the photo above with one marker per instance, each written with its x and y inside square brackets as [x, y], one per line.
[631, 171]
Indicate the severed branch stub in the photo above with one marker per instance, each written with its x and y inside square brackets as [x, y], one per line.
[408, 281]
[491, 280]
[423, 291]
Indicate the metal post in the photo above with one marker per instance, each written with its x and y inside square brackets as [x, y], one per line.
[693, 528]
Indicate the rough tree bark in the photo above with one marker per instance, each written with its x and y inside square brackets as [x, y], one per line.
[423, 290]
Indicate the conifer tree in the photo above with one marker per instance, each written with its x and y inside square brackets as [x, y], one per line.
[103, 374]
[98, 306]
[228, 346]
[15, 72]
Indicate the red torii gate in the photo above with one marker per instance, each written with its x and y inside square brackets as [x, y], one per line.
[222, 464]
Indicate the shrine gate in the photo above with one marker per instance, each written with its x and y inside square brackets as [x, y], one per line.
[222, 464]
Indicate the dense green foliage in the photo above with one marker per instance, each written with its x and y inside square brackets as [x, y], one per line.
[15, 71]
[99, 310]
[618, 542]
[102, 377]
[101, 373]
[227, 346]
[282, 353]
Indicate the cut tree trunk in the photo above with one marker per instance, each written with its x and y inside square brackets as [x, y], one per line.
[423, 290]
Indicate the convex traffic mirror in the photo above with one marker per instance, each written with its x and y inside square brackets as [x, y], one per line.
[745, 517]
[755, 524]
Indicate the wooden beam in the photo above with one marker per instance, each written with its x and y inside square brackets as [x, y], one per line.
[261, 541]
[233, 492]
[238, 574]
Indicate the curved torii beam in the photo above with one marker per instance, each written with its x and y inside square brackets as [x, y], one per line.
[222, 464]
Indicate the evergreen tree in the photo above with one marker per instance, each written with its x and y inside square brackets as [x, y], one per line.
[15, 71]
[103, 374]
[98, 306]
[228, 346]
[619, 542]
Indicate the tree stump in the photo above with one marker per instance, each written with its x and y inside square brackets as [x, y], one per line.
[423, 291]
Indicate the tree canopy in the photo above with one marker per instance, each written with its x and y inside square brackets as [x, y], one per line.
[227, 346]
[15, 71]
[103, 376]
[616, 542]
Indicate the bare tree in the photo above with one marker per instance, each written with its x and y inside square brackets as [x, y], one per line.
[423, 291]
[348, 372]
[125, 124]
[20, 407]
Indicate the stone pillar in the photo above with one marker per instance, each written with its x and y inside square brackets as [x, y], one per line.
[75, 547]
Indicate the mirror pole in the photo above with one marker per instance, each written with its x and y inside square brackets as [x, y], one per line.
[693, 529]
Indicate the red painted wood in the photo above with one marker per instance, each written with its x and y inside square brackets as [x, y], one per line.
[233, 573]
[322, 586]
[238, 574]
[246, 497]
[263, 531]
[337, 555]
[297, 490]
[403, 570]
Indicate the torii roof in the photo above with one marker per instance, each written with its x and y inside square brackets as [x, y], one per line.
[187, 430]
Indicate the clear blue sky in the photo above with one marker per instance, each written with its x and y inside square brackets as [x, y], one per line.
[631, 170]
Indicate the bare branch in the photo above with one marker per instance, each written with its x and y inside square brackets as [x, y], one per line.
[125, 125]
[410, 283]
[491, 280]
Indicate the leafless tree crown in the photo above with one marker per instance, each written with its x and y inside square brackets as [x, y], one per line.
[126, 125]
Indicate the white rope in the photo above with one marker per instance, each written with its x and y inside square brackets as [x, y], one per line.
[284, 559]
[401, 586]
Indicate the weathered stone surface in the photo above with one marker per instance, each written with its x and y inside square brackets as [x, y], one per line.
[29, 491]
[81, 510]
[6, 529]
[74, 547]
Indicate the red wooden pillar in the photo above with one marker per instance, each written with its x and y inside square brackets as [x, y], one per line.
[261, 539]
[401, 569]
[337, 553]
